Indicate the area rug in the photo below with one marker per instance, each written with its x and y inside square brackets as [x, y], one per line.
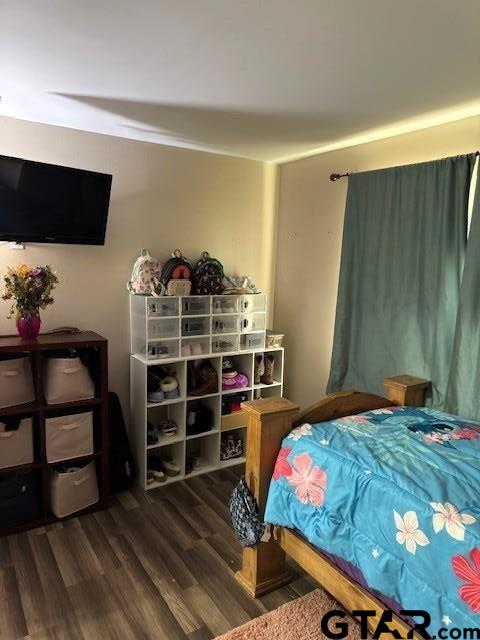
[296, 620]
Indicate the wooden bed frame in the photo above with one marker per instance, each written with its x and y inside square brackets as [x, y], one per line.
[269, 421]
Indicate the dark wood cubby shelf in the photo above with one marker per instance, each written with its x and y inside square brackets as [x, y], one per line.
[39, 410]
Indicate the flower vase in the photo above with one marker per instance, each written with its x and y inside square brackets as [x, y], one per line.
[28, 327]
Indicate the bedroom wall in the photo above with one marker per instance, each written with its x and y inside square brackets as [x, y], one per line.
[162, 198]
[310, 223]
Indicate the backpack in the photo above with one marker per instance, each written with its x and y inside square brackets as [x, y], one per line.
[177, 275]
[122, 468]
[146, 273]
[208, 276]
[244, 514]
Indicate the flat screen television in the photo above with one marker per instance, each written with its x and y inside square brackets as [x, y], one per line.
[42, 202]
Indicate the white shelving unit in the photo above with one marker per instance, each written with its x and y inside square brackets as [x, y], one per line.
[173, 331]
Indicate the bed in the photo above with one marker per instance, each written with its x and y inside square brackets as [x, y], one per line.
[375, 497]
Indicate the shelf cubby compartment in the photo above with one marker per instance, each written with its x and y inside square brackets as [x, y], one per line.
[278, 366]
[17, 380]
[225, 304]
[162, 307]
[231, 403]
[235, 434]
[196, 306]
[174, 412]
[204, 414]
[159, 371]
[253, 302]
[193, 375]
[18, 446]
[206, 450]
[249, 341]
[225, 343]
[242, 363]
[271, 391]
[196, 326]
[171, 452]
[233, 421]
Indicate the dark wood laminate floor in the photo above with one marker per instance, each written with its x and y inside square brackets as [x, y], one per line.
[155, 565]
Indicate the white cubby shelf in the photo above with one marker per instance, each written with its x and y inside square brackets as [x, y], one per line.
[242, 312]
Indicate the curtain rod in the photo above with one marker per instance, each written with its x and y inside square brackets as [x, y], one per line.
[336, 176]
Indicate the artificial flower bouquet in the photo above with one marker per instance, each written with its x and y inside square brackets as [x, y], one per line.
[30, 289]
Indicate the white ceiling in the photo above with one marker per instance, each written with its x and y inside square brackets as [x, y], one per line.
[266, 79]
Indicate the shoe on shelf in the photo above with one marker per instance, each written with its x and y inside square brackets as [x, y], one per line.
[200, 418]
[152, 434]
[192, 376]
[169, 387]
[150, 478]
[155, 396]
[258, 370]
[167, 428]
[191, 463]
[159, 476]
[269, 363]
[206, 380]
[170, 468]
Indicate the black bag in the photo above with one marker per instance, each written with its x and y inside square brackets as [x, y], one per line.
[122, 469]
[244, 514]
[208, 276]
[177, 268]
[20, 500]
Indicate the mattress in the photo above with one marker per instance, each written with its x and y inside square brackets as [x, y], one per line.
[395, 494]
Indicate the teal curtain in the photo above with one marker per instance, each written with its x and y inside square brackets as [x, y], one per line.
[403, 251]
[463, 391]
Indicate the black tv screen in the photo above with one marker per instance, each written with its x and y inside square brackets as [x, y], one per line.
[47, 203]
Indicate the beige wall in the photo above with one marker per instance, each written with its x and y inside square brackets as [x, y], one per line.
[310, 221]
[162, 198]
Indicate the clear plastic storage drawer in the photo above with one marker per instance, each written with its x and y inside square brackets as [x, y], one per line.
[195, 347]
[163, 328]
[158, 349]
[162, 307]
[224, 344]
[253, 302]
[252, 341]
[225, 304]
[225, 324]
[196, 305]
[196, 326]
[253, 322]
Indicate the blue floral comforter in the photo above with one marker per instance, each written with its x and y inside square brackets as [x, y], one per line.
[396, 492]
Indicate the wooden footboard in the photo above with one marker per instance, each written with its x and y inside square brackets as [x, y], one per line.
[269, 421]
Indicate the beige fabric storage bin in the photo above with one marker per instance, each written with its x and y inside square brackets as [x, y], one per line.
[16, 382]
[16, 447]
[74, 490]
[69, 436]
[67, 380]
